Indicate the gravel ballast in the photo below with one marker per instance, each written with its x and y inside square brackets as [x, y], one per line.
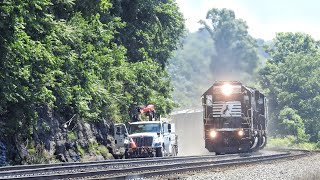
[307, 167]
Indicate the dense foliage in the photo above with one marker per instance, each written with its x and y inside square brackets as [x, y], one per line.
[291, 81]
[152, 28]
[91, 58]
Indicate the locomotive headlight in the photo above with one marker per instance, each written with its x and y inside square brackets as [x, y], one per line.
[241, 133]
[227, 89]
[213, 133]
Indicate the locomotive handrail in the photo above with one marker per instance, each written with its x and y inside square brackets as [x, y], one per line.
[246, 118]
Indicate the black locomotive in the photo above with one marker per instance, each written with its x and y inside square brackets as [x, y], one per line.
[234, 118]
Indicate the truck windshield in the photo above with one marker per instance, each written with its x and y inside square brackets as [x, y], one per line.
[141, 128]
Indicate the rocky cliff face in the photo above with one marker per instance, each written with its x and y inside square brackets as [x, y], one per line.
[3, 158]
[55, 139]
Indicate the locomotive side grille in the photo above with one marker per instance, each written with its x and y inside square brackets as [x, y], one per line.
[143, 141]
[226, 109]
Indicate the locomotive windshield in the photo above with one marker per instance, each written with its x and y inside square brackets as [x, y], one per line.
[227, 122]
[142, 128]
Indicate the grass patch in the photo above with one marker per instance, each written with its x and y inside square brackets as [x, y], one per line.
[290, 142]
[38, 155]
[308, 146]
[93, 147]
[104, 151]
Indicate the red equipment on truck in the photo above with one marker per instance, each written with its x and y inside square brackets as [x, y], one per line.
[148, 110]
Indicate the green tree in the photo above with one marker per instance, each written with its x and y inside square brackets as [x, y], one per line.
[291, 124]
[26, 67]
[236, 50]
[152, 30]
[290, 43]
[290, 80]
[151, 33]
[68, 56]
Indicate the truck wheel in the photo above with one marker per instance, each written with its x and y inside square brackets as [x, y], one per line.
[160, 152]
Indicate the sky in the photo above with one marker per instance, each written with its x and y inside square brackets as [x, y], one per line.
[264, 17]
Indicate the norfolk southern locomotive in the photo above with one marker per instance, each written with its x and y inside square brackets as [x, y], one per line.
[235, 118]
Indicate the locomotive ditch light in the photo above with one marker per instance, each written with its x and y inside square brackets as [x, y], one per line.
[227, 89]
[241, 133]
[213, 133]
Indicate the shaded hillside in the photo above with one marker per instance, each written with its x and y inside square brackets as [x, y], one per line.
[222, 50]
[189, 69]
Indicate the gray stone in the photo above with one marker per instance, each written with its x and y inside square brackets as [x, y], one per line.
[60, 147]
[3, 158]
[50, 133]
[61, 158]
[74, 156]
[50, 147]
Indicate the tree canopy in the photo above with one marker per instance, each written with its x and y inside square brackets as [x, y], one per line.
[95, 59]
[152, 28]
[291, 81]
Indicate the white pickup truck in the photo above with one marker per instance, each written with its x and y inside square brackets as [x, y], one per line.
[146, 139]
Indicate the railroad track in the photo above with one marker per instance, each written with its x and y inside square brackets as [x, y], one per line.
[137, 168]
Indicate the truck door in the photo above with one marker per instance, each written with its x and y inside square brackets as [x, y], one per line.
[120, 135]
[167, 138]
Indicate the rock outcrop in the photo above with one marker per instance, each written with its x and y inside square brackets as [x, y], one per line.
[3, 158]
[56, 139]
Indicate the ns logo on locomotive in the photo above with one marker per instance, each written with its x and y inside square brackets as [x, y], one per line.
[234, 118]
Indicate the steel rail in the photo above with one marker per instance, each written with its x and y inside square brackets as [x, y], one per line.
[35, 166]
[199, 168]
[152, 170]
[50, 169]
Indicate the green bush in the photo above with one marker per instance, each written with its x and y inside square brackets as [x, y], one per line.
[80, 150]
[104, 151]
[285, 142]
[290, 142]
[38, 155]
[93, 147]
[45, 126]
[72, 136]
[307, 146]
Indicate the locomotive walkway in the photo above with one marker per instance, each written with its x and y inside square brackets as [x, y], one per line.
[139, 168]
